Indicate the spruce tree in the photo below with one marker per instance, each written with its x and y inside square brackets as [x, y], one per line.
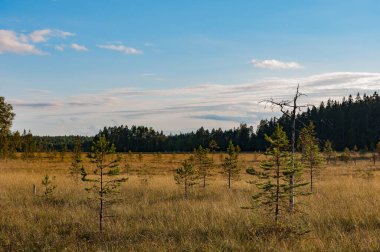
[231, 166]
[273, 177]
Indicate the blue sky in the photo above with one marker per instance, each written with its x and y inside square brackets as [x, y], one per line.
[72, 67]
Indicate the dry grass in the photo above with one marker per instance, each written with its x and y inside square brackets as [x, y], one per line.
[343, 214]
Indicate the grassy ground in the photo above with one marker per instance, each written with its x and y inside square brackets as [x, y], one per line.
[343, 214]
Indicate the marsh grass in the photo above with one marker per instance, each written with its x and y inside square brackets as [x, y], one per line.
[342, 215]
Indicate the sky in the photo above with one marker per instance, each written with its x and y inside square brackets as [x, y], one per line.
[72, 67]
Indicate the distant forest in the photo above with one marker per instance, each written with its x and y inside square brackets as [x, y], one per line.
[349, 123]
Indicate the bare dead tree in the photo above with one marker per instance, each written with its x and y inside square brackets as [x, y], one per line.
[289, 108]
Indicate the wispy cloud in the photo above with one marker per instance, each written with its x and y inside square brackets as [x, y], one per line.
[275, 64]
[60, 48]
[44, 35]
[11, 42]
[228, 118]
[37, 105]
[22, 43]
[39, 35]
[182, 108]
[79, 48]
[121, 48]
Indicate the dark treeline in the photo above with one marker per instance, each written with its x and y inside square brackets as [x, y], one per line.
[61, 143]
[143, 139]
[347, 123]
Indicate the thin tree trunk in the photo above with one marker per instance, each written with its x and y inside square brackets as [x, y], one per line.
[101, 199]
[229, 179]
[311, 178]
[186, 187]
[277, 188]
[291, 180]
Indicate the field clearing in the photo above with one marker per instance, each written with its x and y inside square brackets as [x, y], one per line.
[343, 214]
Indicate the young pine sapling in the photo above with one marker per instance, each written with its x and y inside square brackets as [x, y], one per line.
[311, 156]
[231, 163]
[105, 178]
[186, 176]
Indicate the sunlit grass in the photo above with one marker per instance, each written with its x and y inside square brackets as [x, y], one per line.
[343, 214]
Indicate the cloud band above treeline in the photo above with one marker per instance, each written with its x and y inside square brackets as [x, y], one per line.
[179, 109]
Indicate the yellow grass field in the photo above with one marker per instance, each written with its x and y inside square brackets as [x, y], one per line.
[342, 215]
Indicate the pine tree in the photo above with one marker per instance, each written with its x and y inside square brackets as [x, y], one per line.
[49, 186]
[186, 176]
[15, 144]
[213, 146]
[274, 175]
[63, 151]
[203, 164]
[105, 180]
[311, 156]
[231, 166]
[28, 145]
[76, 167]
[328, 150]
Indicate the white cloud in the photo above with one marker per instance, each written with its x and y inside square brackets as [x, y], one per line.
[20, 43]
[79, 48]
[181, 108]
[39, 36]
[60, 48]
[275, 64]
[11, 42]
[64, 34]
[121, 48]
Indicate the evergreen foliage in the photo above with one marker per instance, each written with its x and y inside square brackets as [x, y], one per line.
[186, 176]
[349, 123]
[203, 164]
[105, 178]
[328, 150]
[49, 186]
[311, 156]
[28, 145]
[77, 167]
[231, 163]
[273, 177]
